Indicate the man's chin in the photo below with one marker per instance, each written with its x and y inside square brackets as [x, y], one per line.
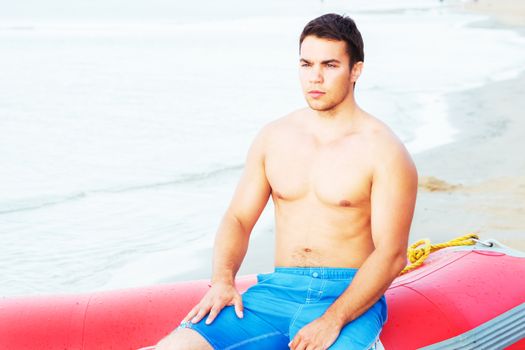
[320, 107]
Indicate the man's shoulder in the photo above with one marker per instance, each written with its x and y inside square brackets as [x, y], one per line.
[380, 136]
[386, 147]
[282, 124]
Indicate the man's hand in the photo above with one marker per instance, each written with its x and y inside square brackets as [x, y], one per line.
[220, 295]
[319, 334]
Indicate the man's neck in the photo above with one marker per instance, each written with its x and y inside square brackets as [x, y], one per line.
[332, 124]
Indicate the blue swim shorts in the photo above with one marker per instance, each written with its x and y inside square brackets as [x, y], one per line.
[282, 302]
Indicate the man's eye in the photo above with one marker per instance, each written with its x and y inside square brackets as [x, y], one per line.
[304, 65]
[331, 65]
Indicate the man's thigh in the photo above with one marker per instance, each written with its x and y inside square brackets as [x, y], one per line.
[184, 339]
[228, 331]
[360, 334]
[269, 305]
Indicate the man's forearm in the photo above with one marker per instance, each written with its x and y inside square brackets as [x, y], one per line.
[231, 244]
[370, 282]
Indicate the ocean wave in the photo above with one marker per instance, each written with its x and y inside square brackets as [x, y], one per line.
[32, 203]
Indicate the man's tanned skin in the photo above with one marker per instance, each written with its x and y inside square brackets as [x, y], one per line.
[344, 189]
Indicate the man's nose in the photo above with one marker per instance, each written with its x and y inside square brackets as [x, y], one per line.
[316, 75]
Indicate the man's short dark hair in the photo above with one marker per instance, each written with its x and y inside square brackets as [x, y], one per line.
[336, 27]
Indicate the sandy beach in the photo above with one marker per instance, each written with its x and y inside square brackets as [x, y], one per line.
[477, 184]
[507, 11]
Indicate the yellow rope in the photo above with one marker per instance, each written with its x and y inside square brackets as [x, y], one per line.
[417, 255]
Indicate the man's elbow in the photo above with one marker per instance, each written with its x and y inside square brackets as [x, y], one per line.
[398, 264]
[396, 261]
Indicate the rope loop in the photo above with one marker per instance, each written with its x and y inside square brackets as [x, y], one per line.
[418, 252]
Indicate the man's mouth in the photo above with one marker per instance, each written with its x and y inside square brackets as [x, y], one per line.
[316, 93]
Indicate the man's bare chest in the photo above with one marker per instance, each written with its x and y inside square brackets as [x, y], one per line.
[338, 174]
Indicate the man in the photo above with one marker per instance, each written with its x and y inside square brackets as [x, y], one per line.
[344, 189]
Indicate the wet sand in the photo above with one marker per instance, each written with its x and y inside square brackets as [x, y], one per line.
[510, 12]
[477, 183]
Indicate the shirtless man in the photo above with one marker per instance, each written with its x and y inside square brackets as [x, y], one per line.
[344, 189]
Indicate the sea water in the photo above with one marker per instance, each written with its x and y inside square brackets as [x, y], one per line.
[124, 125]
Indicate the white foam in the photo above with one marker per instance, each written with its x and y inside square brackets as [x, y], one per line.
[152, 268]
[434, 128]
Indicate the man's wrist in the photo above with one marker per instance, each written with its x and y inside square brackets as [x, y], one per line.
[336, 318]
[213, 283]
[224, 279]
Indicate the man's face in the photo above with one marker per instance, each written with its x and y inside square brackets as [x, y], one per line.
[325, 73]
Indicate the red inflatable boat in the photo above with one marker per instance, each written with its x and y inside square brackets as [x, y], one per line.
[460, 298]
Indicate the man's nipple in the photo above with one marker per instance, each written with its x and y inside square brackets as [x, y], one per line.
[345, 203]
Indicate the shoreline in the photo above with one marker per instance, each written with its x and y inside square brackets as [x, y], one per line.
[477, 182]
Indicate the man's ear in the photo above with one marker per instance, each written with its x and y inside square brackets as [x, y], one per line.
[356, 71]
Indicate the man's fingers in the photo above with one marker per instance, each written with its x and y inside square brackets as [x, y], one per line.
[239, 307]
[301, 346]
[213, 313]
[202, 312]
[298, 343]
[191, 314]
[293, 343]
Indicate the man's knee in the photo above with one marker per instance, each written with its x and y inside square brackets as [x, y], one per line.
[184, 339]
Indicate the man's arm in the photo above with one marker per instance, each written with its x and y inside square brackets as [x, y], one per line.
[250, 198]
[393, 196]
[231, 242]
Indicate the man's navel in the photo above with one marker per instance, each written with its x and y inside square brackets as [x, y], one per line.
[305, 257]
